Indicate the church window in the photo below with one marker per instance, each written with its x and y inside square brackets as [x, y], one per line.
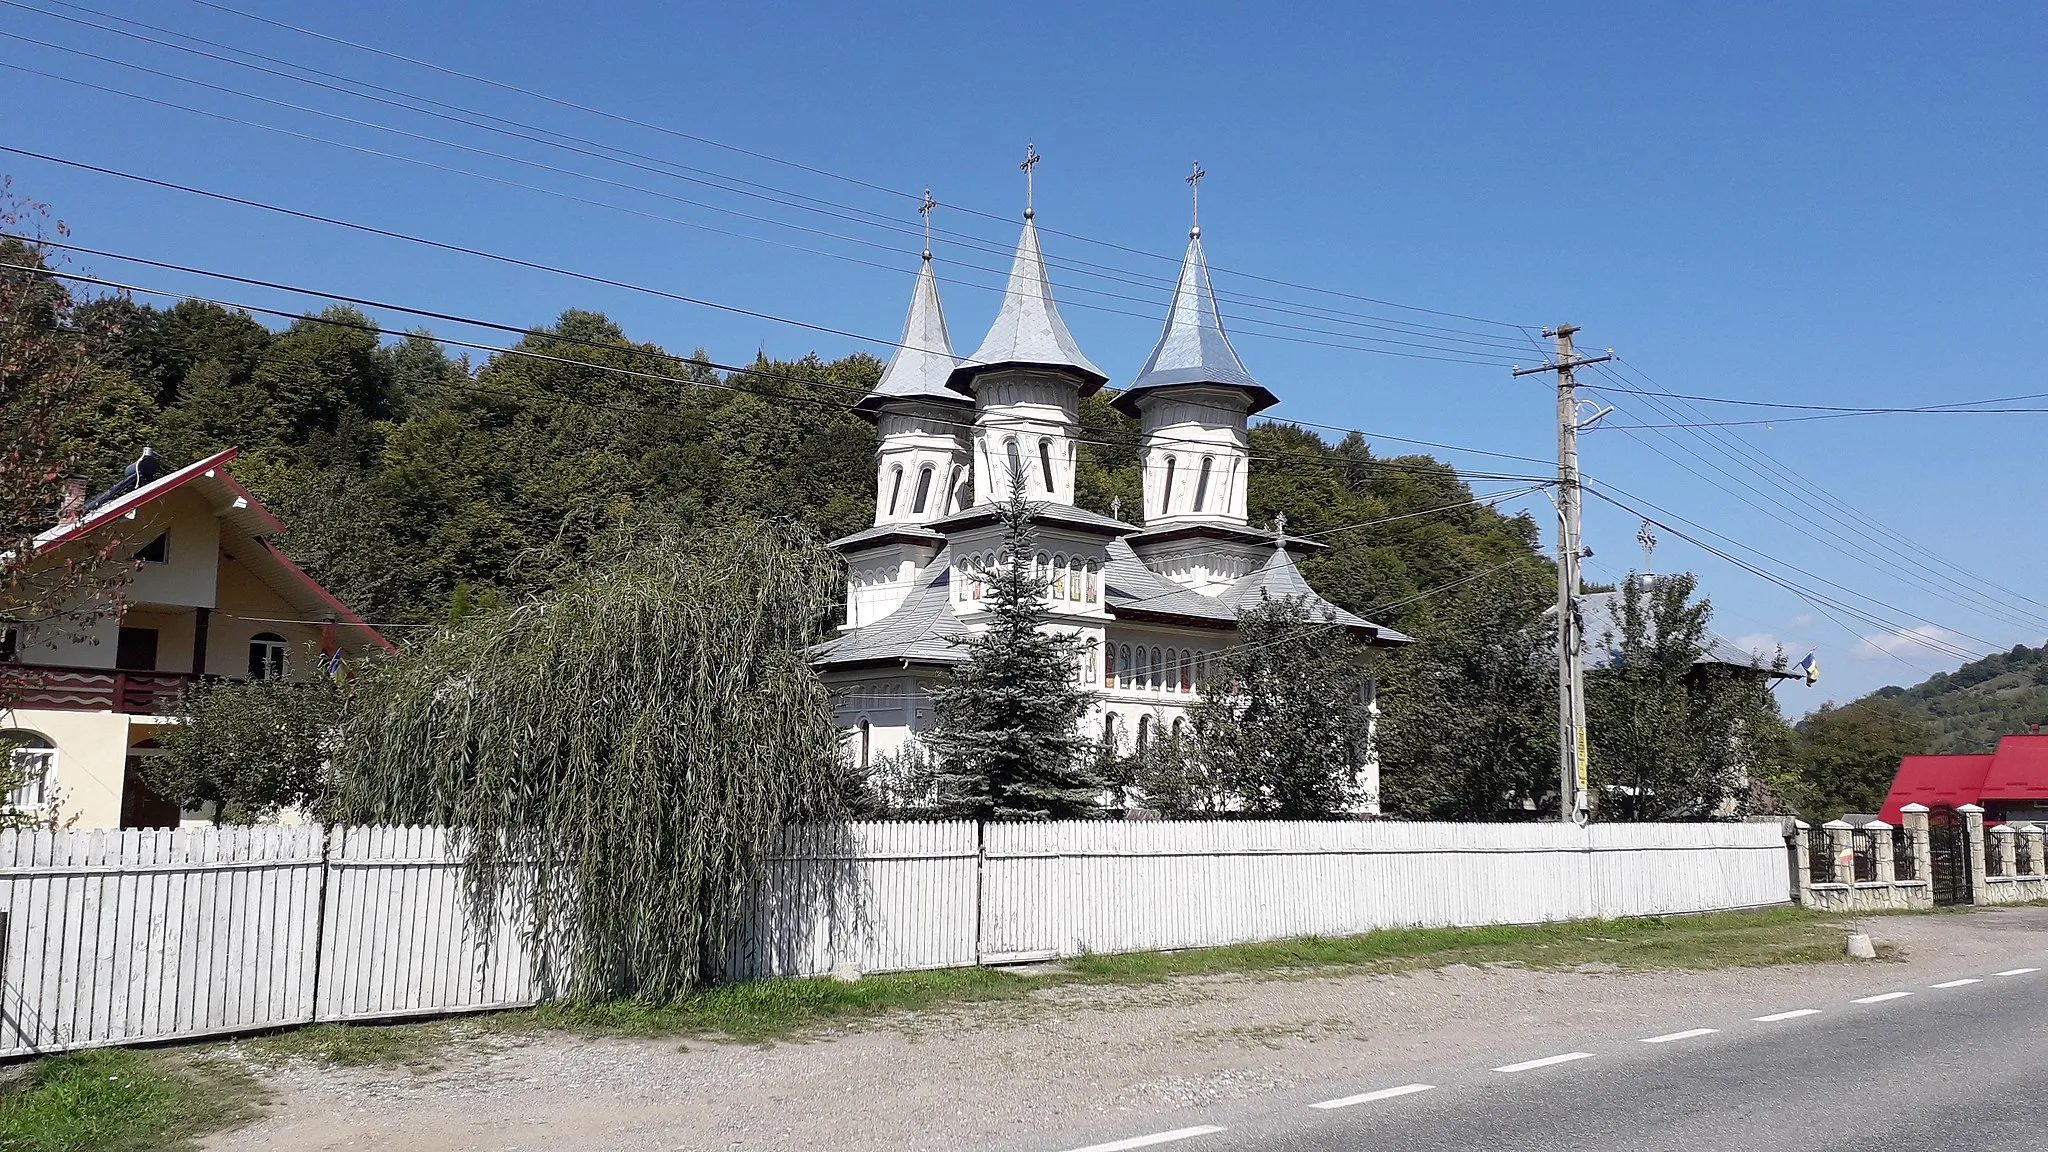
[1016, 475]
[1059, 577]
[924, 489]
[1093, 572]
[1156, 674]
[955, 494]
[1179, 727]
[1166, 489]
[1093, 653]
[1074, 572]
[1045, 463]
[1202, 482]
[1144, 735]
[895, 487]
[867, 744]
[1172, 658]
[1187, 671]
[1038, 566]
[1123, 665]
[1109, 741]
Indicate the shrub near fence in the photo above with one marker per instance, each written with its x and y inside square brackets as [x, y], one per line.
[114, 937]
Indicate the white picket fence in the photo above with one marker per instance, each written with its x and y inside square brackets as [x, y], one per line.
[119, 937]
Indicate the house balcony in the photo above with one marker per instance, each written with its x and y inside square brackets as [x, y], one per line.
[91, 690]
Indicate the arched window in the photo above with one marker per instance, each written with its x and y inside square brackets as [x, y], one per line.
[1039, 564]
[1074, 574]
[1094, 653]
[1123, 665]
[1156, 674]
[1058, 576]
[1016, 475]
[1179, 728]
[1109, 740]
[1172, 658]
[1187, 671]
[956, 495]
[867, 744]
[1045, 463]
[1144, 735]
[1093, 572]
[267, 656]
[1202, 482]
[1166, 489]
[33, 758]
[924, 489]
[895, 487]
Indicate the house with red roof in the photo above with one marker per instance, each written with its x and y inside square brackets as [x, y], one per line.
[2009, 784]
[210, 594]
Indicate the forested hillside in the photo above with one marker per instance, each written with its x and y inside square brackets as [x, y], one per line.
[414, 482]
[1967, 710]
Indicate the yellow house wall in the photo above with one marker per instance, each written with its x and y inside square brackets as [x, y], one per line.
[92, 757]
[247, 606]
[191, 550]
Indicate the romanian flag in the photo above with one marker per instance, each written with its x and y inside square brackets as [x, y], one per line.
[1810, 667]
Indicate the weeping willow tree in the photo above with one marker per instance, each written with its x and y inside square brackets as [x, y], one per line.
[621, 752]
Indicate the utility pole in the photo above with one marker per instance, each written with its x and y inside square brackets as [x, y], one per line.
[1571, 680]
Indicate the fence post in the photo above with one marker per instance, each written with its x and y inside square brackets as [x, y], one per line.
[1802, 862]
[1973, 828]
[1880, 833]
[2036, 838]
[1842, 846]
[1914, 817]
[2005, 849]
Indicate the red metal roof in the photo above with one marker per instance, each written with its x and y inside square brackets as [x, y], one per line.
[1935, 781]
[2019, 770]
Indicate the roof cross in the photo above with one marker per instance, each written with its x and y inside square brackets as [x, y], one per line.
[1648, 540]
[924, 209]
[1031, 159]
[1280, 529]
[1194, 183]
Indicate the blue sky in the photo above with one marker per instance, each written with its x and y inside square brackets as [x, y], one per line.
[1819, 204]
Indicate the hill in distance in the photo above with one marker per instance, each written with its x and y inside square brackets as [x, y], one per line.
[1967, 710]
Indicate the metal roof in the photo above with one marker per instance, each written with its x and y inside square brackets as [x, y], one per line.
[924, 357]
[923, 629]
[1600, 619]
[1280, 579]
[1193, 349]
[887, 533]
[1028, 330]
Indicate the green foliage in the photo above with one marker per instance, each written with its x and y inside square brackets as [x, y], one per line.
[1007, 744]
[1969, 709]
[1283, 721]
[249, 747]
[627, 744]
[1468, 727]
[1672, 740]
[1844, 759]
[112, 1100]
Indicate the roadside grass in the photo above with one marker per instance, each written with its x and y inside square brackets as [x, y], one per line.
[350, 1045]
[116, 1100]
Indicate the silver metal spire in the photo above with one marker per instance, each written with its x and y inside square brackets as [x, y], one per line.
[1193, 349]
[1028, 330]
[924, 356]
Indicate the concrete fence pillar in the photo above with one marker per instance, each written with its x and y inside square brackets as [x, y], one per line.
[1914, 818]
[1880, 834]
[2037, 838]
[1973, 826]
[1802, 861]
[1842, 846]
[2004, 849]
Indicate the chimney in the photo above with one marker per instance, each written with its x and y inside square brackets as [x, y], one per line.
[73, 506]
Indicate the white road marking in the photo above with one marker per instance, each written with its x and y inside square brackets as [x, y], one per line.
[1369, 1097]
[2016, 972]
[1794, 1014]
[1881, 998]
[1148, 1141]
[1957, 983]
[1546, 1062]
[1688, 1034]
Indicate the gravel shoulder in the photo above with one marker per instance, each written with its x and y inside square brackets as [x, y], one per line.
[1071, 1065]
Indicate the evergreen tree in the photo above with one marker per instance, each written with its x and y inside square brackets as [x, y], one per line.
[1283, 723]
[1008, 743]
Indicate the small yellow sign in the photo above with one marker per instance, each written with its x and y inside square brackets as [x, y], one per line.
[1580, 740]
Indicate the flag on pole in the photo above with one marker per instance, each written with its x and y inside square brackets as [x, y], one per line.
[1810, 667]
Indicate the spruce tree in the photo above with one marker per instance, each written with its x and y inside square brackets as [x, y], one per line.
[1008, 743]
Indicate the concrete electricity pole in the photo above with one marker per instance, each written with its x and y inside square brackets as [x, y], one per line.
[1571, 680]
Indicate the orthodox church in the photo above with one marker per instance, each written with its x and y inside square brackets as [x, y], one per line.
[1155, 601]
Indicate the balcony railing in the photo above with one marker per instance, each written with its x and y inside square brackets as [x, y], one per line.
[90, 690]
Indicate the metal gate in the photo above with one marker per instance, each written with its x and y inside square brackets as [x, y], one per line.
[1948, 836]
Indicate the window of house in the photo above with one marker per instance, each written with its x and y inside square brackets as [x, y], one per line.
[1166, 489]
[10, 643]
[1202, 482]
[1045, 463]
[156, 551]
[924, 489]
[33, 759]
[895, 487]
[267, 656]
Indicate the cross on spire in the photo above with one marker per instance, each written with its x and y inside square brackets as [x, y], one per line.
[1648, 540]
[1280, 529]
[1031, 159]
[924, 209]
[1194, 183]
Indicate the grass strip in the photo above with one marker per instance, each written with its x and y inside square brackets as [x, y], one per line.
[113, 1100]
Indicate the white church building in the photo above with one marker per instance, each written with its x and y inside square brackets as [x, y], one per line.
[1155, 600]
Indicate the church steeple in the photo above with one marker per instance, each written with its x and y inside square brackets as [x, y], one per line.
[921, 469]
[1192, 348]
[924, 357]
[1027, 379]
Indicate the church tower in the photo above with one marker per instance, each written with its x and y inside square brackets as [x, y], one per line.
[1027, 380]
[1193, 401]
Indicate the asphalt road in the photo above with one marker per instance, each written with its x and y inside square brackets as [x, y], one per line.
[1944, 1068]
